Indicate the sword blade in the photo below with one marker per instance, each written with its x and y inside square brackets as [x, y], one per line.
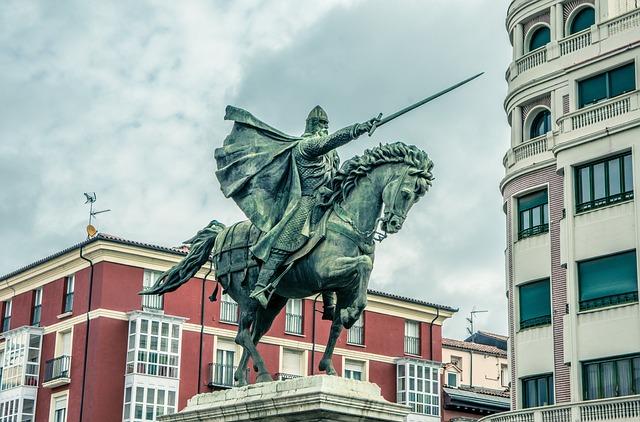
[426, 100]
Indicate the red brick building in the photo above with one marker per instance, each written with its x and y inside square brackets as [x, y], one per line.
[79, 343]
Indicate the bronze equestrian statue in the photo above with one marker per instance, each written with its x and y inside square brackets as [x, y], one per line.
[311, 226]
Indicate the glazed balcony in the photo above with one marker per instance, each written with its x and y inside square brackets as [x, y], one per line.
[618, 409]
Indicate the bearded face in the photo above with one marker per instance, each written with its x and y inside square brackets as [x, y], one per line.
[319, 127]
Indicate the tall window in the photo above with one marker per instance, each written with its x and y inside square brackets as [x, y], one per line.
[607, 85]
[604, 182]
[582, 20]
[535, 304]
[293, 316]
[60, 409]
[412, 337]
[144, 403]
[223, 368]
[355, 335]
[418, 386]
[37, 307]
[6, 316]
[537, 391]
[452, 379]
[541, 124]
[533, 214]
[540, 37]
[69, 286]
[504, 375]
[611, 377]
[292, 364]
[148, 280]
[354, 370]
[228, 309]
[606, 281]
[153, 347]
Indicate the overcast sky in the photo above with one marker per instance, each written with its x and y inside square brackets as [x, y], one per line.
[127, 99]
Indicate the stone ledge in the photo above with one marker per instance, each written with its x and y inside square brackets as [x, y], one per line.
[316, 398]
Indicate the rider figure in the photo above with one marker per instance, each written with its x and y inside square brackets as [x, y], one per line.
[317, 162]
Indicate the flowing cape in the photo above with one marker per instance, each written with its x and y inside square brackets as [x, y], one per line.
[256, 168]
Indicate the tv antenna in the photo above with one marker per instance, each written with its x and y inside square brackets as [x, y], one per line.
[470, 320]
[91, 198]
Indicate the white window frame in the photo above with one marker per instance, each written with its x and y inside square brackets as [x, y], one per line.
[362, 365]
[355, 335]
[69, 292]
[8, 306]
[52, 407]
[139, 344]
[411, 384]
[153, 302]
[167, 409]
[227, 307]
[409, 327]
[37, 304]
[294, 321]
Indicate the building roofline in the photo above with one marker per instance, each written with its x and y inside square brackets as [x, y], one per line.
[176, 251]
[477, 347]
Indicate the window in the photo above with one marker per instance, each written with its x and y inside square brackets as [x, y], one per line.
[541, 124]
[151, 301]
[228, 309]
[418, 386]
[354, 370]
[144, 403]
[60, 409]
[14, 410]
[452, 379]
[223, 367]
[607, 85]
[21, 365]
[535, 304]
[292, 364]
[611, 378]
[37, 307]
[457, 362]
[69, 285]
[355, 335]
[6, 316]
[504, 375]
[293, 317]
[582, 20]
[533, 214]
[604, 182]
[153, 347]
[606, 281]
[537, 391]
[412, 337]
[539, 38]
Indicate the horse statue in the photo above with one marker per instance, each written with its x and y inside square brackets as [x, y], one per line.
[373, 191]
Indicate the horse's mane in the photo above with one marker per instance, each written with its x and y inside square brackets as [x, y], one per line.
[398, 152]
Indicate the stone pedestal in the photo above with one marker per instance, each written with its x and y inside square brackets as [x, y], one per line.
[318, 398]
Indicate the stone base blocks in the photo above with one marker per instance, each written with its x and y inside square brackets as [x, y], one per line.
[318, 398]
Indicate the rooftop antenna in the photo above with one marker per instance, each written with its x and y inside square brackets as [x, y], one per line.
[91, 198]
[470, 329]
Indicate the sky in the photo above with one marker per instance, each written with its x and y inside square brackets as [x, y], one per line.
[126, 99]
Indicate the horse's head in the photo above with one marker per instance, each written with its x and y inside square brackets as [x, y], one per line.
[408, 183]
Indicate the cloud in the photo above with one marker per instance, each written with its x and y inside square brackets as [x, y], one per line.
[127, 99]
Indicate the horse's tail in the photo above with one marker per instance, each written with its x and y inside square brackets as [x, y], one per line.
[201, 246]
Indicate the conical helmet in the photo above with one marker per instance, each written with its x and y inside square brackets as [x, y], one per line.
[316, 115]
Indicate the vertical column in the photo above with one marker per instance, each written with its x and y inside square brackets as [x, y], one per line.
[559, 21]
[518, 40]
[516, 126]
[552, 23]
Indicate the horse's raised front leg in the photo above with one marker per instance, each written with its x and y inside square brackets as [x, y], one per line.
[243, 338]
[350, 303]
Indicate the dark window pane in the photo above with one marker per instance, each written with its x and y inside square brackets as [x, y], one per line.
[583, 20]
[607, 277]
[592, 381]
[636, 375]
[525, 220]
[608, 371]
[593, 89]
[537, 216]
[624, 377]
[585, 186]
[541, 124]
[530, 393]
[535, 303]
[614, 176]
[532, 200]
[622, 79]
[628, 173]
[540, 37]
[543, 398]
[598, 181]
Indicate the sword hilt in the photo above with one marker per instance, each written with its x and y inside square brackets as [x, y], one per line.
[374, 126]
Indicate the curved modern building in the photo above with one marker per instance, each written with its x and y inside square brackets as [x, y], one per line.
[571, 214]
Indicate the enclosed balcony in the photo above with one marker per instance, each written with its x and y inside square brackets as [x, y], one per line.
[618, 409]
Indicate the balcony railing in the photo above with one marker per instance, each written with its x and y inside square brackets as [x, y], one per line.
[625, 22]
[355, 335]
[221, 375]
[152, 302]
[603, 202]
[530, 148]
[533, 231]
[532, 59]
[598, 112]
[280, 376]
[618, 409]
[612, 300]
[229, 312]
[575, 42]
[57, 368]
[412, 345]
[293, 323]
[535, 322]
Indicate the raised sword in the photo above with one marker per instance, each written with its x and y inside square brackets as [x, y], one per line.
[379, 121]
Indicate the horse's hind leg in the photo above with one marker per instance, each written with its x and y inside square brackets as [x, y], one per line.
[243, 338]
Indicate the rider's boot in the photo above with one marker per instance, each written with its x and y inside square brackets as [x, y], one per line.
[329, 302]
[263, 284]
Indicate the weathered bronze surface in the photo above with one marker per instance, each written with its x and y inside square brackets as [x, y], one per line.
[311, 227]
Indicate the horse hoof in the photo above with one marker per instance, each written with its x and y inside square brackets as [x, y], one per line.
[327, 366]
[265, 377]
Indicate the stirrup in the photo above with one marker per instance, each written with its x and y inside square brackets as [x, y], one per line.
[262, 295]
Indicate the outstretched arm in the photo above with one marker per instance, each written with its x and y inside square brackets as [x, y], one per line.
[316, 146]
